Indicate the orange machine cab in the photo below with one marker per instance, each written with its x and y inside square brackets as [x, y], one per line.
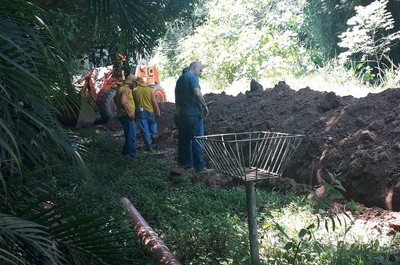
[149, 73]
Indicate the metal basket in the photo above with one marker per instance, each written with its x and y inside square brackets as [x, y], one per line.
[250, 155]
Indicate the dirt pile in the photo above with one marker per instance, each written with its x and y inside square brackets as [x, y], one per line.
[358, 138]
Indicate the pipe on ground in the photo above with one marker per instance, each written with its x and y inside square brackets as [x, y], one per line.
[154, 244]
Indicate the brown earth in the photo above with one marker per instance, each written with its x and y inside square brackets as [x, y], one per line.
[356, 137]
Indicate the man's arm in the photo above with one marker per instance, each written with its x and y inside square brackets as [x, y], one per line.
[155, 105]
[200, 98]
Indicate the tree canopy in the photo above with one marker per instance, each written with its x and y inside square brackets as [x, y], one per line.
[261, 39]
[131, 27]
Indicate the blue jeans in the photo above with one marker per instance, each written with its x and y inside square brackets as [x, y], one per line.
[191, 151]
[130, 132]
[148, 126]
[181, 158]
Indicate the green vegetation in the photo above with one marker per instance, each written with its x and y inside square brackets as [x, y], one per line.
[209, 225]
[271, 41]
[41, 221]
[367, 38]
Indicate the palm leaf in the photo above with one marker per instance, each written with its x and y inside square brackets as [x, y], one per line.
[37, 220]
[25, 236]
[132, 27]
[80, 235]
[29, 99]
[30, 75]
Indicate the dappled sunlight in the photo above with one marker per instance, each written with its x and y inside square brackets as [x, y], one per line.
[332, 233]
[240, 86]
[315, 82]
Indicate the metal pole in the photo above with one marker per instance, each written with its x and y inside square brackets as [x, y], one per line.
[251, 215]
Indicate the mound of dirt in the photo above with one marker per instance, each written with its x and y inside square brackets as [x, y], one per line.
[358, 138]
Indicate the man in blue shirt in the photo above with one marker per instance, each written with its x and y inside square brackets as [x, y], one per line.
[191, 105]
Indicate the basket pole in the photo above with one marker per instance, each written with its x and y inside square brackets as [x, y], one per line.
[251, 216]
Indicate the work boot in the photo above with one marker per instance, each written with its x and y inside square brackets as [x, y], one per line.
[154, 142]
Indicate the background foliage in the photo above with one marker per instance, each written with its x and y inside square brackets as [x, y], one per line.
[275, 39]
[368, 40]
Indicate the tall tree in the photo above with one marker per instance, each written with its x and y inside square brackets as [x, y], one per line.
[246, 39]
[368, 40]
[394, 8]
[324, 21]
[179, 29]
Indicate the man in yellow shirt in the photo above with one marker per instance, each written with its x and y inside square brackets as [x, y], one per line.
[126, 114]
[146, 111]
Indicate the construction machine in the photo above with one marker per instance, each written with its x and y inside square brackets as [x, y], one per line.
[98, 88]
[150, 75]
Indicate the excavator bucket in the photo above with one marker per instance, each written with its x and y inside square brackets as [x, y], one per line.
[88, 112]
[78, 110]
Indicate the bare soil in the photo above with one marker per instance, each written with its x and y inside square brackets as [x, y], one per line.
[356, 137]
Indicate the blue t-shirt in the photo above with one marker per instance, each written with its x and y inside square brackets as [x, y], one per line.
[184, 95]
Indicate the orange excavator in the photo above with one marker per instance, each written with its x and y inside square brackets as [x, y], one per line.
[98, 88]
[150, 75]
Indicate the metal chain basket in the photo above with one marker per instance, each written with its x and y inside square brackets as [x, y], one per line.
[250, 155]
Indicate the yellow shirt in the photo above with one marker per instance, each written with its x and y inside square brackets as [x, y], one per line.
[124, 101]
[142, 97]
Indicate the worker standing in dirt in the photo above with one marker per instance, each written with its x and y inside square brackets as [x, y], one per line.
[191, 106]
[126, 114]
[146, 112]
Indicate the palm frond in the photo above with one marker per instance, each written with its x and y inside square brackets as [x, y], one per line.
[25, 236]
[32, 142]
[82, 235]
[39, 222]
[138, 25]
[28, 95]
[8, 257]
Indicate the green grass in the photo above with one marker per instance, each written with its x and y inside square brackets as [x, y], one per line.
[206, 226]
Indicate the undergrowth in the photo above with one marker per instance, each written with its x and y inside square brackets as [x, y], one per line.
[206, 226]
